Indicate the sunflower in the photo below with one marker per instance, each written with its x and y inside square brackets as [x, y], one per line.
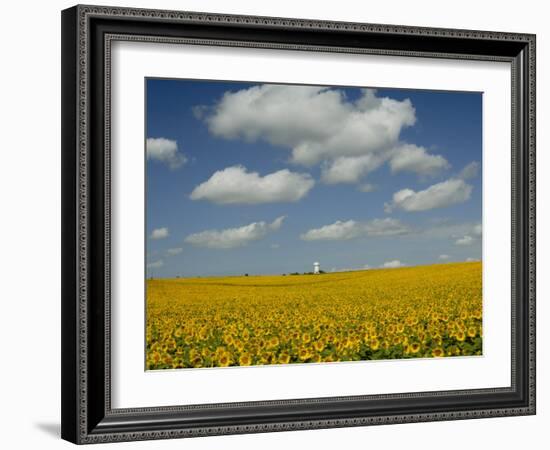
[304, 354]
[245, 359]
[315, 359]
[288, 322]
[374, 344]
[238, 344]
[414, 347]
[155, 357]
[220, 351]
[284, 358]
[203, 333]
[460, 336]
[228, 339]
[319, 345]
[273, 342]
[224, 360]
[246, 335]
[197, 362]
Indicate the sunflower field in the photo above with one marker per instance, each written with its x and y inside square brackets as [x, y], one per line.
[416, 312]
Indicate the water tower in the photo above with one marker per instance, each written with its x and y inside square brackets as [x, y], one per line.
[316, 266]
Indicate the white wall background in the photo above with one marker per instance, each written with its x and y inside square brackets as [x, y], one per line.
[30, 222]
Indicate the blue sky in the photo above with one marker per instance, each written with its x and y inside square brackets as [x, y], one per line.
[261, 178]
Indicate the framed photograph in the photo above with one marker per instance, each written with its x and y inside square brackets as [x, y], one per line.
[280, 224]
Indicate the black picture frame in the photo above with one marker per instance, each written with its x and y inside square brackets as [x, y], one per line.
[87, 32]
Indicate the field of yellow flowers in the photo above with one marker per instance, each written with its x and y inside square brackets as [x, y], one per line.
[424, 311]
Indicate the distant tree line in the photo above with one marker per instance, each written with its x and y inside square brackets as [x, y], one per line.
[304, 273]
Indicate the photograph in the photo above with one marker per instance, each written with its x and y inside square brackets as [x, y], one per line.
[278, 222]
[299, 224]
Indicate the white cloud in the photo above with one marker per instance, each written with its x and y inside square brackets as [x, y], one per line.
[156, 264]
[276, 224]
[350, 169]
[393, 264]
[439, 195]
[315, 123]
[386, 227]
[234, 237]
[470, 171]
[174, 251]
[338, 231]
[367, 187]
[472, 259]
[234, 185]
[465, 240]
[165, 151]
[341, 231]
[160, 233]
[443, 257]
[275, 246]
[411, 158]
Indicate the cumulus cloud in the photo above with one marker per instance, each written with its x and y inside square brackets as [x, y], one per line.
[465, 240]
[411, 158]
[350, 229]
[338, 231]
[444, 257]
[156, 264]
[160, 233]
[234, 237]
[440, 195]
[393, 264]
[350, 169]
[470, 171]
[174, 251]
[165, 151]
[314, 123]
[234, 185]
